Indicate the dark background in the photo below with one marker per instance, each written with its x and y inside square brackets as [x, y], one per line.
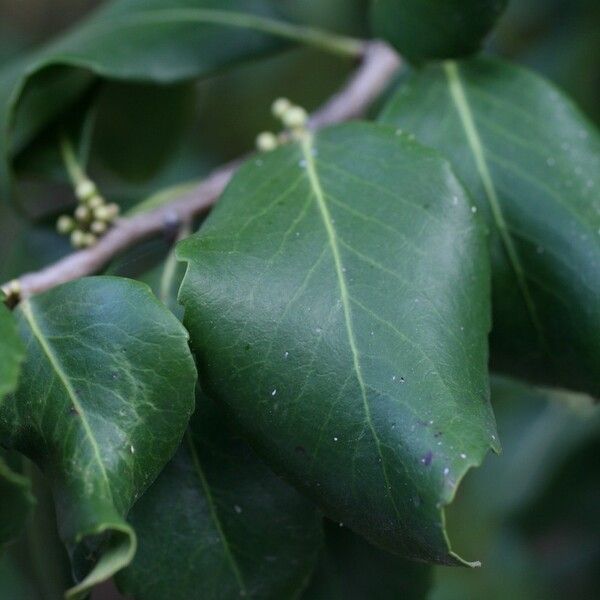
[549, 547]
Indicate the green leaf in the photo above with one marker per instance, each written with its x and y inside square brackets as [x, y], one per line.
[14, 583]
[153, 41]
[532, 164]
[429, 29]
[338, 304]
[242, 531]
[16, 498]
[106, 391]
[351, 569]
[40, 557]
[16, 502]
[140, 126]
[11, 351]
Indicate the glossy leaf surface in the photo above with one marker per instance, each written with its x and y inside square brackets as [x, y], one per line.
[337, 300]
[154, 41]
[532, 164]
[106, 391]
[430, 29]
[219, 524]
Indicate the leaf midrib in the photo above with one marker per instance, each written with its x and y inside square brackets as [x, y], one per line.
[319, 196]
[465, 113]
[213, 513]
[28, 313]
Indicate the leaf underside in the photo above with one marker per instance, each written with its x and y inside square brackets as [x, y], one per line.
[531, 162]
[337, 301]
[153, 41]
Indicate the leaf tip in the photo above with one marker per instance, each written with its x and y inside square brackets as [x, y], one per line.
[121, 550]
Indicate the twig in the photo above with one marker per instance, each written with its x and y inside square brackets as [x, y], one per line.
[378, 65]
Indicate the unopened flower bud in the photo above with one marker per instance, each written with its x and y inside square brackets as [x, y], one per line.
[85, 189]
[89, 240]
[107, 212]
[295, 117]
[280, 107]
[65, 224]
[78, 239]
[95, 201]
[113, 210]
[98, 227]
[82, 213]
[266, 141]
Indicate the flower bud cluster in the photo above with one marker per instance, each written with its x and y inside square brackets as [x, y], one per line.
[91, 219]
[294, 119]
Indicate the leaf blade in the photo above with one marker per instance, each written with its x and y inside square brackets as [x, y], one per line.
[437, 28]
[97, 412]
[15, 490]
[289, 281]
[36, 89]
[17, 502]
[529, 159]
[244, 531]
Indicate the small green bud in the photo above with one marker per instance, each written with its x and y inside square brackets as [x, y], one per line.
[78, 239]
[65, 224]
[85, 189]
[95, 201]
[266, 141]
[82, 213]
[89, 240]
[280, 107]
[295, 117]
[98, 227]
[102, 213]
[113, 210]
[107, 212]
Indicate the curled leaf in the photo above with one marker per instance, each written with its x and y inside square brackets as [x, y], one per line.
[105, 395]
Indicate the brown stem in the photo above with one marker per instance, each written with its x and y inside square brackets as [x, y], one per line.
[378, 65]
